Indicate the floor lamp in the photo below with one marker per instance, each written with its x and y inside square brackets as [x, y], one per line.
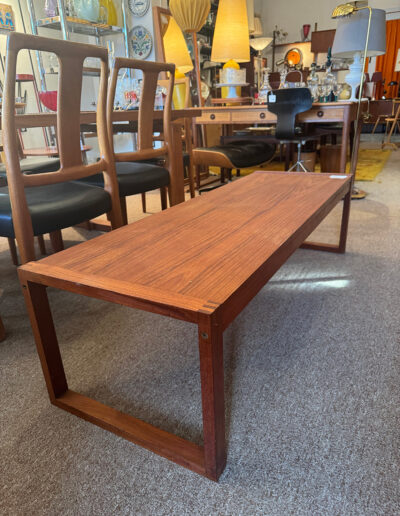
[191, 15]
[356, 33]
[259, 44]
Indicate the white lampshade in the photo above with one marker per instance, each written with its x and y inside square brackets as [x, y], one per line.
[258, 29]
[250, 15]
[175, 47]
[397, 63]
[231, 34]
[351, 34]
[260, 43]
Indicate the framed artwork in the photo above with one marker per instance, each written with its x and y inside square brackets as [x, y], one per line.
[141, 42]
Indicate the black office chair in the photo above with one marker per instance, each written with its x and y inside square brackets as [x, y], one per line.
[286, 105]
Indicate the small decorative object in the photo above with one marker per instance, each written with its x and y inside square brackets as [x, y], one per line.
[139, 7]
[141, 42]
[108, 12]
[306, 31]
[282, 83]
[50, 8]
[293, 57]
[88, 10]
[7, 17]
[279, 34]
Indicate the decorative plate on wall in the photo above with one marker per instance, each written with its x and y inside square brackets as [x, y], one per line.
[139, 7]
[141, 42]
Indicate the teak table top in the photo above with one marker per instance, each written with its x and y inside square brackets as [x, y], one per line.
[198, 255]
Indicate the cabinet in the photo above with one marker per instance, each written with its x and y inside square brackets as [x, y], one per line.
[70, 25]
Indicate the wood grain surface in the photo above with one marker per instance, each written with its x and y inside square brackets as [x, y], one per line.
[184, 253]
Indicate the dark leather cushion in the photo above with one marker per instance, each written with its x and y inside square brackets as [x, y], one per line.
[56, 206]
[246, 154]
[134, 178]
[48, 165]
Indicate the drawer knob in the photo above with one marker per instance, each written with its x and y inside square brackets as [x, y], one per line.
[212, 116]
[320, 114]
[262, 115]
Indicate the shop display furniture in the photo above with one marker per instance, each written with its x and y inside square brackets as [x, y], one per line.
[173, 265]
[35, 204]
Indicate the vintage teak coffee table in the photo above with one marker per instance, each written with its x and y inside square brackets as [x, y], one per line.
[201, 261]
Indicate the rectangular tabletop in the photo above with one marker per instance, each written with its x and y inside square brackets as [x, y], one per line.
[214, 251]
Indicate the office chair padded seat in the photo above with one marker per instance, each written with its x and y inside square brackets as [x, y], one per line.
[134, 177]
[238, 154]
[56, 206]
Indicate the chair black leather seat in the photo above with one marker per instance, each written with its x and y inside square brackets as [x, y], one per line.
[48, 165]
[66, 204]
[243, 154]
[134, 177]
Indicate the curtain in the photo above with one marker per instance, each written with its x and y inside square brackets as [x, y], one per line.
[385, 63]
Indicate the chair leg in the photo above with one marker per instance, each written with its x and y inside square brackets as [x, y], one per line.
[56, 241]
[13, 250]
[124, 210]
[42, 245]
[144, 202]
[164, 196]
[238, 172]
[2, 330]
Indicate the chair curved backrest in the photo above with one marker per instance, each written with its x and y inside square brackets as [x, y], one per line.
[71, 57]
[289, 102]
[145, 131]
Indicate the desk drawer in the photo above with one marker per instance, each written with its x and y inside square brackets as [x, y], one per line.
[323, 114]
[214, 117]
[253, 117]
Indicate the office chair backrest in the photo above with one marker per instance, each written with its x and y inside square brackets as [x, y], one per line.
[289, 102]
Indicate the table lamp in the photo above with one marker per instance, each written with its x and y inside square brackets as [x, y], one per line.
[231, 35]
[259, 44]
[191, 15]
[360, 32]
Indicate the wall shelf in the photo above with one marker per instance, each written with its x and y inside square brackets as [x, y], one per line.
[79, 26]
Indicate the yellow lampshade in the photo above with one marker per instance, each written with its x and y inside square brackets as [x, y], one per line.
[175, 48]
[190, 15]
[231, 35]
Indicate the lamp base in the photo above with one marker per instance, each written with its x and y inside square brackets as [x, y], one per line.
[354, 75]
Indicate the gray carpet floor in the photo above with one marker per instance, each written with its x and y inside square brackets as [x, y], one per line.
[312, 388]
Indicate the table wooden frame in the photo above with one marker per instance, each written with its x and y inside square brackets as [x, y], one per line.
[312, 197]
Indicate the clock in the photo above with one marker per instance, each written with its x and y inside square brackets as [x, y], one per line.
[293, 57]
[139, 7]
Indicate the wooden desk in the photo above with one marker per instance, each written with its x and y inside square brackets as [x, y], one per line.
[172, 264]
[344, 112]
[176, 188]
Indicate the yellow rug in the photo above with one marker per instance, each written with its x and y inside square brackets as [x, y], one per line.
[370, 164]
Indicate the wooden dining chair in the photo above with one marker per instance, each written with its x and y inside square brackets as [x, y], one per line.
[137, 171]
[392, 123]
[36, 204]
